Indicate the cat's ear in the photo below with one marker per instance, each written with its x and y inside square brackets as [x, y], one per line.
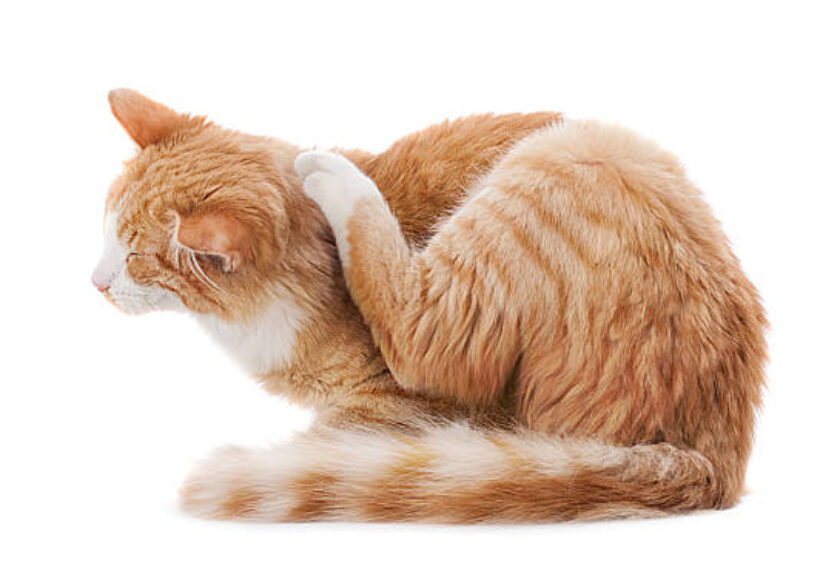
[145, 121]
[215, 235]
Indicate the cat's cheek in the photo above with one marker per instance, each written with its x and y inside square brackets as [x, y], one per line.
[144, 277]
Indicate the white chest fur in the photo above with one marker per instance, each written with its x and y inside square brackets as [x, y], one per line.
[264, 344]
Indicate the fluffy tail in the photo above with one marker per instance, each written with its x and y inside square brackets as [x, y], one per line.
[448, 474]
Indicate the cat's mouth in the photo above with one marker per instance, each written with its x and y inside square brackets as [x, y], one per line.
[130, 303]
[135, 299]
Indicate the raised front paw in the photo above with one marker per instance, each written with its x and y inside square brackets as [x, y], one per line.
[334, 183]
[310, 162]
[338, 187]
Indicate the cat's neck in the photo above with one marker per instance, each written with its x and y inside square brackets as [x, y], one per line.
[263, 343]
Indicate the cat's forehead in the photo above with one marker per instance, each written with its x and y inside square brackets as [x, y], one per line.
[152, 175]
[188, 166]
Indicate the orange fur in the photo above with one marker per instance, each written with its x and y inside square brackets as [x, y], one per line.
[534, 278]
[585, 276]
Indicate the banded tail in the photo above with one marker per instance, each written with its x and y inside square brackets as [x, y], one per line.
[448, 474]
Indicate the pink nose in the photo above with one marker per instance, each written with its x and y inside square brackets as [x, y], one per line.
[101, 286]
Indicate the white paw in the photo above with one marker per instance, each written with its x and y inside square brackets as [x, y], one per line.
[310, 162]
[332, 181]
[336, 185]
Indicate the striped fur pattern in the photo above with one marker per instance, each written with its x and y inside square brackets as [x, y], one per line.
[447, 473]
[499, 318]
[583, 281]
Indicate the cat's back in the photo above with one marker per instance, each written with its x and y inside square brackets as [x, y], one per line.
[581, 202]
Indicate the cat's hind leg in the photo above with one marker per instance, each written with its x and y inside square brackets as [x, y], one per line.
[339, 188]
[438, 331]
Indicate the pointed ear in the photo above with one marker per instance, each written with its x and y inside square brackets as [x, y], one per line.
[145, 121]
[215, 235]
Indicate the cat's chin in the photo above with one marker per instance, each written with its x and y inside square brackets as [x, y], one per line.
[153, 300]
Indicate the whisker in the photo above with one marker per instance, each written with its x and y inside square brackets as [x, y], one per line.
[199, 271]
[177, 250]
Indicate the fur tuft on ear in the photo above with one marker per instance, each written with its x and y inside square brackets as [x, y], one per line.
[145, 121]
[215, 235]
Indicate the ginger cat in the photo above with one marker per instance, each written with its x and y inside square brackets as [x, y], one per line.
[498, 319]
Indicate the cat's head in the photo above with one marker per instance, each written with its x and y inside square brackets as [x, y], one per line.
[203, 219]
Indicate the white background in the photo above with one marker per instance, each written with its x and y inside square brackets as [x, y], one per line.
[102, 415]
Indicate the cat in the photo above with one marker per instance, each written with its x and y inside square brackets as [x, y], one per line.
[502, 318]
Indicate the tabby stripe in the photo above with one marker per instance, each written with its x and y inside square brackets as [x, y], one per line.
[554, 223]
[488, 257]
[534, 251]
